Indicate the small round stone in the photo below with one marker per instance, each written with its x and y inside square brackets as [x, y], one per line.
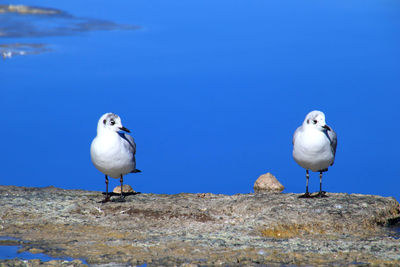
[125, 189]
[268, 182]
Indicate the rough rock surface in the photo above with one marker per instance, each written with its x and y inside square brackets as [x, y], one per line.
[268, 182]
[202, 229]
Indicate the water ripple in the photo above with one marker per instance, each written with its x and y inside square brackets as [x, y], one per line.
[21, 21]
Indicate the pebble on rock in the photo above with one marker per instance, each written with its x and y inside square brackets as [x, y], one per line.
[268, 182]
[125, 188]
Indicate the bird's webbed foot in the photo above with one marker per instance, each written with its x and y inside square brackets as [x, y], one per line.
[305, 195]
[321, 194]
[120, 199]
[105, 200]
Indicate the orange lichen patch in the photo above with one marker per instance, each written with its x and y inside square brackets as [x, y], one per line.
[292, 230]
[330, 229]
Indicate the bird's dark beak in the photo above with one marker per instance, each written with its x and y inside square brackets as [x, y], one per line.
[326, 127]
[124, 129]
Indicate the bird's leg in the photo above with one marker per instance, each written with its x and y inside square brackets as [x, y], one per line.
[321, 193]
[320, 182]
[121, 197]
[307, 194]
[121, 180]
[107, 196]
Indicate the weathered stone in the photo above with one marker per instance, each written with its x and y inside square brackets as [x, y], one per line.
[126, 188]
[268, 182]
[205, 230]
[35, 251]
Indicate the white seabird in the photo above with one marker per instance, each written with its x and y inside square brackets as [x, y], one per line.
[314, 147]
[113, 152]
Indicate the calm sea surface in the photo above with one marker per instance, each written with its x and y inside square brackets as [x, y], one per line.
[211, 90]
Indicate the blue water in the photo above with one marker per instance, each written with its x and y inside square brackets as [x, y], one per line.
[211, 90]
[11, 252]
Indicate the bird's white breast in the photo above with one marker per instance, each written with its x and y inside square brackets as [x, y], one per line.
[110, 155]
[312, 150]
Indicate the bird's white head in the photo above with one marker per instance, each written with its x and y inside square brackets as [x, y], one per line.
[110, 122]
[316, 119]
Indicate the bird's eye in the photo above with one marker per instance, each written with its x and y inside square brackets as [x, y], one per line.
[112, 122]
[315, 121]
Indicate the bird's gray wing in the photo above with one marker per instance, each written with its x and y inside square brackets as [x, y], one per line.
[130, 142]
[333, 139]
[132, 147]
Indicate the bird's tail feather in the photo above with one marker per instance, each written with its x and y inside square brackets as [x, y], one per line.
[135, 171]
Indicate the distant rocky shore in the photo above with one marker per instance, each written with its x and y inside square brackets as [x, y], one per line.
[200, 229]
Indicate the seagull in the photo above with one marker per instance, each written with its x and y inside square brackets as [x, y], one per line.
[113, 152]
[314, 147]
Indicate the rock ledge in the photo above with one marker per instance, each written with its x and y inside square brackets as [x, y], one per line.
[202, 229]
